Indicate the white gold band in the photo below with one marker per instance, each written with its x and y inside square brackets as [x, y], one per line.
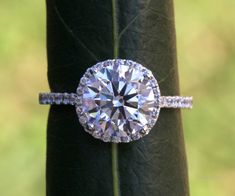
[58, 98]
[72, 99]
[176, 102]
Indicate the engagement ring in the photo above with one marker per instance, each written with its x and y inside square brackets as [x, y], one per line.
[117, 100]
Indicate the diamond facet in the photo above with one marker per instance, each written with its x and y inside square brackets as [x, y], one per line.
[119, 99]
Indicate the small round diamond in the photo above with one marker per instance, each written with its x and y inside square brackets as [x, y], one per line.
[118, 102]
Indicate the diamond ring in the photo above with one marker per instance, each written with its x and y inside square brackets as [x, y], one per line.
[117, 100]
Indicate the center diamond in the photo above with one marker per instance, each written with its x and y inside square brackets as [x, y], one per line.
[119, 101]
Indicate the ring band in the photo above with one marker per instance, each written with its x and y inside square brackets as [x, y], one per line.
[73, 99]
[117, 100]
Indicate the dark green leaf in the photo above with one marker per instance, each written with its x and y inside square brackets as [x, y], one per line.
[80, 33]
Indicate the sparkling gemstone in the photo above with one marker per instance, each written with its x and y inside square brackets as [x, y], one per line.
[119, 101]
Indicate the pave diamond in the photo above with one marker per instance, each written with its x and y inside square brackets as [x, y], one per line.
[119, 101]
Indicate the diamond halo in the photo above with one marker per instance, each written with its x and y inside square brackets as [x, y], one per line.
[118, 101]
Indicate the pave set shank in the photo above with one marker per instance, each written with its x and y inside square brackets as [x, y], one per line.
[73, 99]
[117, 100]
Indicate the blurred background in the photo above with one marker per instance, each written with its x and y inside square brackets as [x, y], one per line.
[206, 58]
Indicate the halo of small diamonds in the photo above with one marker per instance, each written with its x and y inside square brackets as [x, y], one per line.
[118, 100]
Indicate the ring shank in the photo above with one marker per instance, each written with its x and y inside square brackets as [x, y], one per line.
[176, 102]
[58, 98]
[72, 99]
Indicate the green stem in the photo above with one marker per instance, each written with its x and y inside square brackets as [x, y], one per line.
[115, 169]
[115, 30]
[115, 146]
